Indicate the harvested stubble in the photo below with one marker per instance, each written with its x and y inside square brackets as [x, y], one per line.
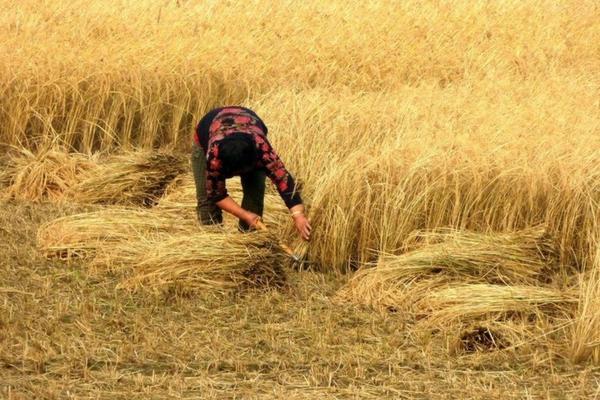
[214, 260]
[133, 178]
[517, 334]
[45, 175]
[81, 235]
[513, 258]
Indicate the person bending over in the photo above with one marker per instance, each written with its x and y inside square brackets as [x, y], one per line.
[232, 141]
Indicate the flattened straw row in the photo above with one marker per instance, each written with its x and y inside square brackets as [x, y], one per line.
[135, 178]
[513, 258]
[477, 300]
[396, 281]
[506, 257]
[130, 179]
[508, 332]
[586, 330]
[162, 247]
[80, 235]
[217, 261]
[181, 192]
[397, 296]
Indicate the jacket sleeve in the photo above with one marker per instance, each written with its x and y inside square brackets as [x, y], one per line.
[215, 179]
[281, 178]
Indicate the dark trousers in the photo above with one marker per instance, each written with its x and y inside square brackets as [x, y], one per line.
[253, 186]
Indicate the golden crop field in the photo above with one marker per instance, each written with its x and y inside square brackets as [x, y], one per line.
[449, 158]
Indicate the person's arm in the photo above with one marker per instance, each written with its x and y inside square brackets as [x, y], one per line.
[229, 205]
[284, 182]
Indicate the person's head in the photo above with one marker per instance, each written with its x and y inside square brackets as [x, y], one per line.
[237, 153]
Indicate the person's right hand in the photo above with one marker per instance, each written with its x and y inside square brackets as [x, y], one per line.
[302, 226]
[251, 219]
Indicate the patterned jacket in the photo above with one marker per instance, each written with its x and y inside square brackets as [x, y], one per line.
[222, 122]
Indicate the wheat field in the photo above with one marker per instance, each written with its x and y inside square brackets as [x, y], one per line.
[449, 157]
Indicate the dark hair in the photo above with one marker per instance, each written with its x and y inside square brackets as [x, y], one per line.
[237, 152]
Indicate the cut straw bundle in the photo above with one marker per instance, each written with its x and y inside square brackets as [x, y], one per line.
[506, 257]
[212, 260]
[165, 246]
[586, 330]
[46, 175]
[451, 280]
[81, 235]
[180, 193]
[471, 301]
[512, 258]
[130, 179]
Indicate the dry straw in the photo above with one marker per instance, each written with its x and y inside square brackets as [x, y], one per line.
[497, 257]
[80, 235]
[133, 178]
[463, 127]
[518, 335]
[160, 247]
[453, 280]
[147, 94]
[209, 260]
[511, 258]
[586, 329]
[44, 175]
[472, 301]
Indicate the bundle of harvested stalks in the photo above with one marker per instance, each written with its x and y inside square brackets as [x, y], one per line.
[505, 257]
[464, 302]
[138, 178]
[45, 175]
[81, 235]
[180, 193]
[513, 258]
[212, 260]
[586, 330]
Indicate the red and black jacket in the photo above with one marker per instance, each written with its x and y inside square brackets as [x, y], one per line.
[222, 122]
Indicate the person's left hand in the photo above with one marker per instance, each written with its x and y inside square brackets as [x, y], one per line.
[302, 226]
